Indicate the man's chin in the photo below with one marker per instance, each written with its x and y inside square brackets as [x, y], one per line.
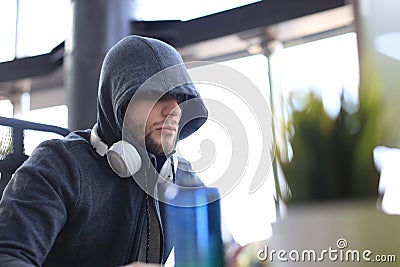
[158, 149]
[166, 149]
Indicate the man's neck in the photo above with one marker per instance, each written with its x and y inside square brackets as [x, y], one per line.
[158, 161]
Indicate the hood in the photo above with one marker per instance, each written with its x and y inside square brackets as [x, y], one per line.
[147, 64]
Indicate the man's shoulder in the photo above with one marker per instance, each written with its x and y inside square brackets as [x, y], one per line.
[74, 141]
[186, 176]
[184, 164]
[81, 137]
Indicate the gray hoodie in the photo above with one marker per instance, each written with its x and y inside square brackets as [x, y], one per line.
[65, 206]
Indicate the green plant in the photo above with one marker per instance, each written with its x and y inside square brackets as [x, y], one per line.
[332, 157]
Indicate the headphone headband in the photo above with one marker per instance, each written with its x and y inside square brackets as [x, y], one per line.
[100, 147]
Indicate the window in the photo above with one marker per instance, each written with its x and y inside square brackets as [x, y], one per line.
[182, 9]
[6, 108]
[29, 28]
[57, 116]
[42, 25]
[327, 65]
[230, 145]
[8, 24]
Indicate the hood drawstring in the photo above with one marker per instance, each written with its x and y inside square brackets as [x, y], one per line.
[173, 171]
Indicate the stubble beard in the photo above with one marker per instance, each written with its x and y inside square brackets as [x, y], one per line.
[159, 148]
[164, 147]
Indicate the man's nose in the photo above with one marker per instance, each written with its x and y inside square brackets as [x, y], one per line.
[171, 108]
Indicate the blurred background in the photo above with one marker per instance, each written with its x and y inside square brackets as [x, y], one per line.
[303, 57]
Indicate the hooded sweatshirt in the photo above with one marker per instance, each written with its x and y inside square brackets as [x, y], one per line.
[65, 206]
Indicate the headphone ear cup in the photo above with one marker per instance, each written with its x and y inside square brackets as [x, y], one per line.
[124, 159]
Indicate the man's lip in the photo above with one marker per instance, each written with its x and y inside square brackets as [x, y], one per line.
[169, 128]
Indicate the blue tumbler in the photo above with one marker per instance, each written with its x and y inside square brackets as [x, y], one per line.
[194, 226]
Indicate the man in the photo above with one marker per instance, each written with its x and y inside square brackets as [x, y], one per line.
[74, 202]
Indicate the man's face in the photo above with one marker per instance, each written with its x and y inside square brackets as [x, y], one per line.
[155, 123]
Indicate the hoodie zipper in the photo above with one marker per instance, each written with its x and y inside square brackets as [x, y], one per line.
[158, 213]
[156, 202]
[157, 208]
[157, 205]
[170, 160]
[136, 234]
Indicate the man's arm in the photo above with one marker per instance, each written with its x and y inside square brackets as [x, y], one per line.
[141, 264]
[33, 208]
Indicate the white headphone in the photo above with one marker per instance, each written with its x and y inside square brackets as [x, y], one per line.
[122, 157]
